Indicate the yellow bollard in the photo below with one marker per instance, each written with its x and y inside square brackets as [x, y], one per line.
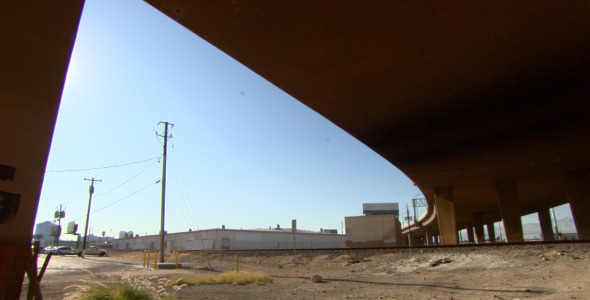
[156, 260]
[147, 262]
[238, 262]
[176, 265]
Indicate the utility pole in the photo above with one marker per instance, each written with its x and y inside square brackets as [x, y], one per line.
[163, 208]
[59, 214]
[408, 218]
[90, 191]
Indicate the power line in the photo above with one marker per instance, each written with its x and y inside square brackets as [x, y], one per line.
[127, 196]
[184, 206]
[191, 210]
[113, 203]
[182, 210]
[90, 169]
[126, 181]
[74, 193]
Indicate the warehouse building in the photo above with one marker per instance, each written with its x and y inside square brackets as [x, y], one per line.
[236, 239]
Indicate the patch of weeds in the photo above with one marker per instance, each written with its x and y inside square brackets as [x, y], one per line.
[231, 277]
[128, 288]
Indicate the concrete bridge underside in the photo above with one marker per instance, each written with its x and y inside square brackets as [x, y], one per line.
[484, 105]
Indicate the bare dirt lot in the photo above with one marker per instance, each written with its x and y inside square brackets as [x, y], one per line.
[556, 271]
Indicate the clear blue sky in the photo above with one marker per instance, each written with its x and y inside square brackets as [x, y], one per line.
[243, 154]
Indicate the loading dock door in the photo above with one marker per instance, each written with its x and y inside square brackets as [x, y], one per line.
[225, 243]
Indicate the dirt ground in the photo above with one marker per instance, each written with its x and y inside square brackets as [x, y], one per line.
[557, 271]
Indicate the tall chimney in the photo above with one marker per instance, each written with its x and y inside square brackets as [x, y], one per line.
[293, 225]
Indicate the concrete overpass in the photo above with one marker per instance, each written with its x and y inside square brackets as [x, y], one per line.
[484, 105]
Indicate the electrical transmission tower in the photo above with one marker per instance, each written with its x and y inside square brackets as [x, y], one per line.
[418, 202]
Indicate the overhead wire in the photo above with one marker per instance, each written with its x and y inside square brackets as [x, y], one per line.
[192, 210]
[126, 181]
[185, 208]
[75, 191]
[99, 168]
[113, 203]
[182, 211]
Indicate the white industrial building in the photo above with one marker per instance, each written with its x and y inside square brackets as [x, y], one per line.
[236, 239]
[45, 233]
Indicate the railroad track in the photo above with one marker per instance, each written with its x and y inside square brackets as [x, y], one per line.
[461, 246]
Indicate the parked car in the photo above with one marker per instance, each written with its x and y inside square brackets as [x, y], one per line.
[46, 250]
[63, 250]
[92, 250]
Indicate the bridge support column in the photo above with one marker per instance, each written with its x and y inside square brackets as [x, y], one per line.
[546, 226]
[445, 211]
[427, 237]
[578, 191]
[470, 235]
[508, 201]
[480, 235]
[491, 232]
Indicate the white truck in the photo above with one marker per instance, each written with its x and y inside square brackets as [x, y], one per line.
[92, 250]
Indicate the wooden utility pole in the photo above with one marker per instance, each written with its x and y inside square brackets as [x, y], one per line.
[90, 191]
[163, 208]
[60, 214]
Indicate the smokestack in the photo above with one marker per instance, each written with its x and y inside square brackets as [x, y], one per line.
[293, 225]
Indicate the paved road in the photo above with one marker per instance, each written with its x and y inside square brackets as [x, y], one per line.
[70, 263]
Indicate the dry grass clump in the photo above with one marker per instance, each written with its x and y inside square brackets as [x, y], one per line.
[127, 288]
[124, 291]
[231, 277]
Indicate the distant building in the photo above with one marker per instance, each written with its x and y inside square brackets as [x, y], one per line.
[45, 233]
[379, 227]
[125, 234]
[381, 209]
[236, 239]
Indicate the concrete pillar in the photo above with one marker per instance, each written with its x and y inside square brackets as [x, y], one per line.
[470, 235]
[428, 237]
[445, 210]
[509, 209]
[578, 192]
[480, 235]
[546, 226]
[491, 232]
